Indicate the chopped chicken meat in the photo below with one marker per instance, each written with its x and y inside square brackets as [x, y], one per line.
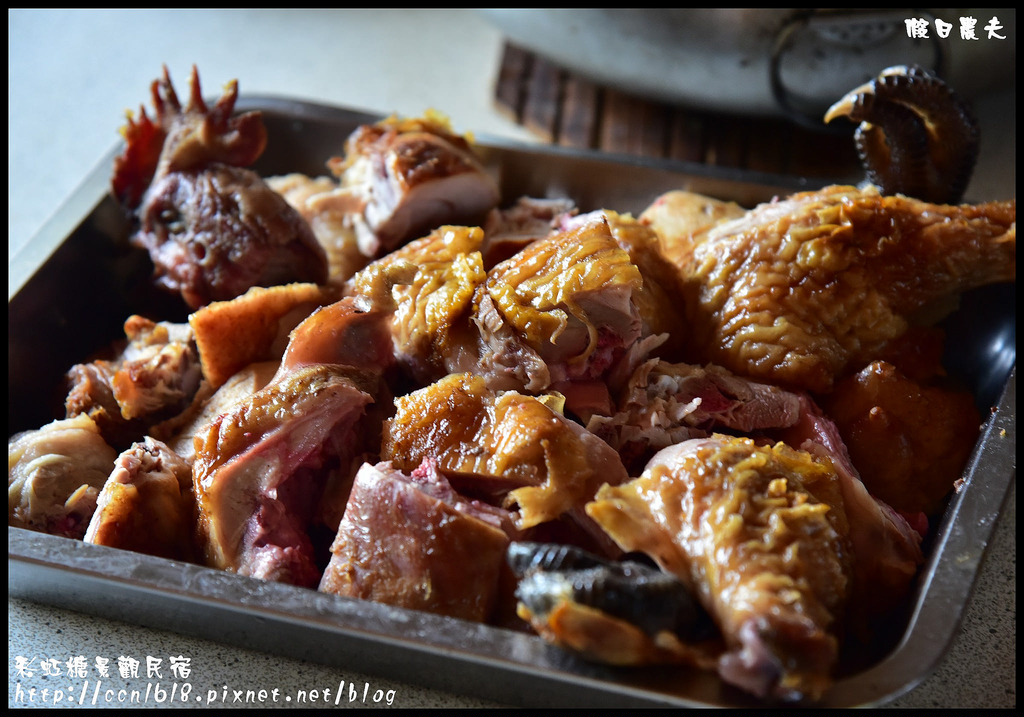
[330, 214]
[432, 328]
[55, 474]
[155, 376]
[253, 327]
[505, 445]
[562, 309]
[666, 403]
[908, 441]
[412, 541]
[147, 504]
[400, 178]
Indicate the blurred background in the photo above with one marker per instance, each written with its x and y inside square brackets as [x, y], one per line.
[670, 86]
[730, 87]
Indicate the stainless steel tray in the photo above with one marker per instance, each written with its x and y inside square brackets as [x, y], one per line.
[73, 285]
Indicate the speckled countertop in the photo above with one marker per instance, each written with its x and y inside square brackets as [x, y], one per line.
[71, 76]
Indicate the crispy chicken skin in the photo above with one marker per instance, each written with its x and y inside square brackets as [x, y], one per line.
[562, 309]
[412, 541]
[504, 444]
[800, 291]
[432, 325]
[759, 533]
[54, 475]
[253, 327]
[660, 293]
[147, 504]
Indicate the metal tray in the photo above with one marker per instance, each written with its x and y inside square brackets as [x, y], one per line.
[73, 285]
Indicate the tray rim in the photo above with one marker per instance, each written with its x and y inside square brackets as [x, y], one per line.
[874, 686]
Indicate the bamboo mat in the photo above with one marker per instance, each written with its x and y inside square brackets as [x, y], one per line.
[566, 109]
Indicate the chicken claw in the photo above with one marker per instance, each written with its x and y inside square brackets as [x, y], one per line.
[916, 136]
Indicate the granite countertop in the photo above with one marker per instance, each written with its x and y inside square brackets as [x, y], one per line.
[73, 73]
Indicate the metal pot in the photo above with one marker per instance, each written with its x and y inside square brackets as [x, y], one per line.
[762, 62]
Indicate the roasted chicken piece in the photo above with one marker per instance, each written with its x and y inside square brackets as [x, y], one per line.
[154, 377]
[261, 471]
[680, 219]
[887, 543]
[666, 403]
[759, 533]
[432, 325]
[801, 291]
[253, 327]
[402, 177]
[506, 446]
[212, 227]
[330, 215]
[660, 294]
[147, 504]
[412, 541]
[562, 309]
[55, 474]
[909, 441]
[510, 229]
[178, 432]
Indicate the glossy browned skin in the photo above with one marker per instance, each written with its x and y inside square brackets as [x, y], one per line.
[510, 443]
[259, 471]
[147, 504]
[409, 176]
[416, 544]
[562, 309]
[799, 291]
[908, 440]
[760, 534]
[431, 327]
